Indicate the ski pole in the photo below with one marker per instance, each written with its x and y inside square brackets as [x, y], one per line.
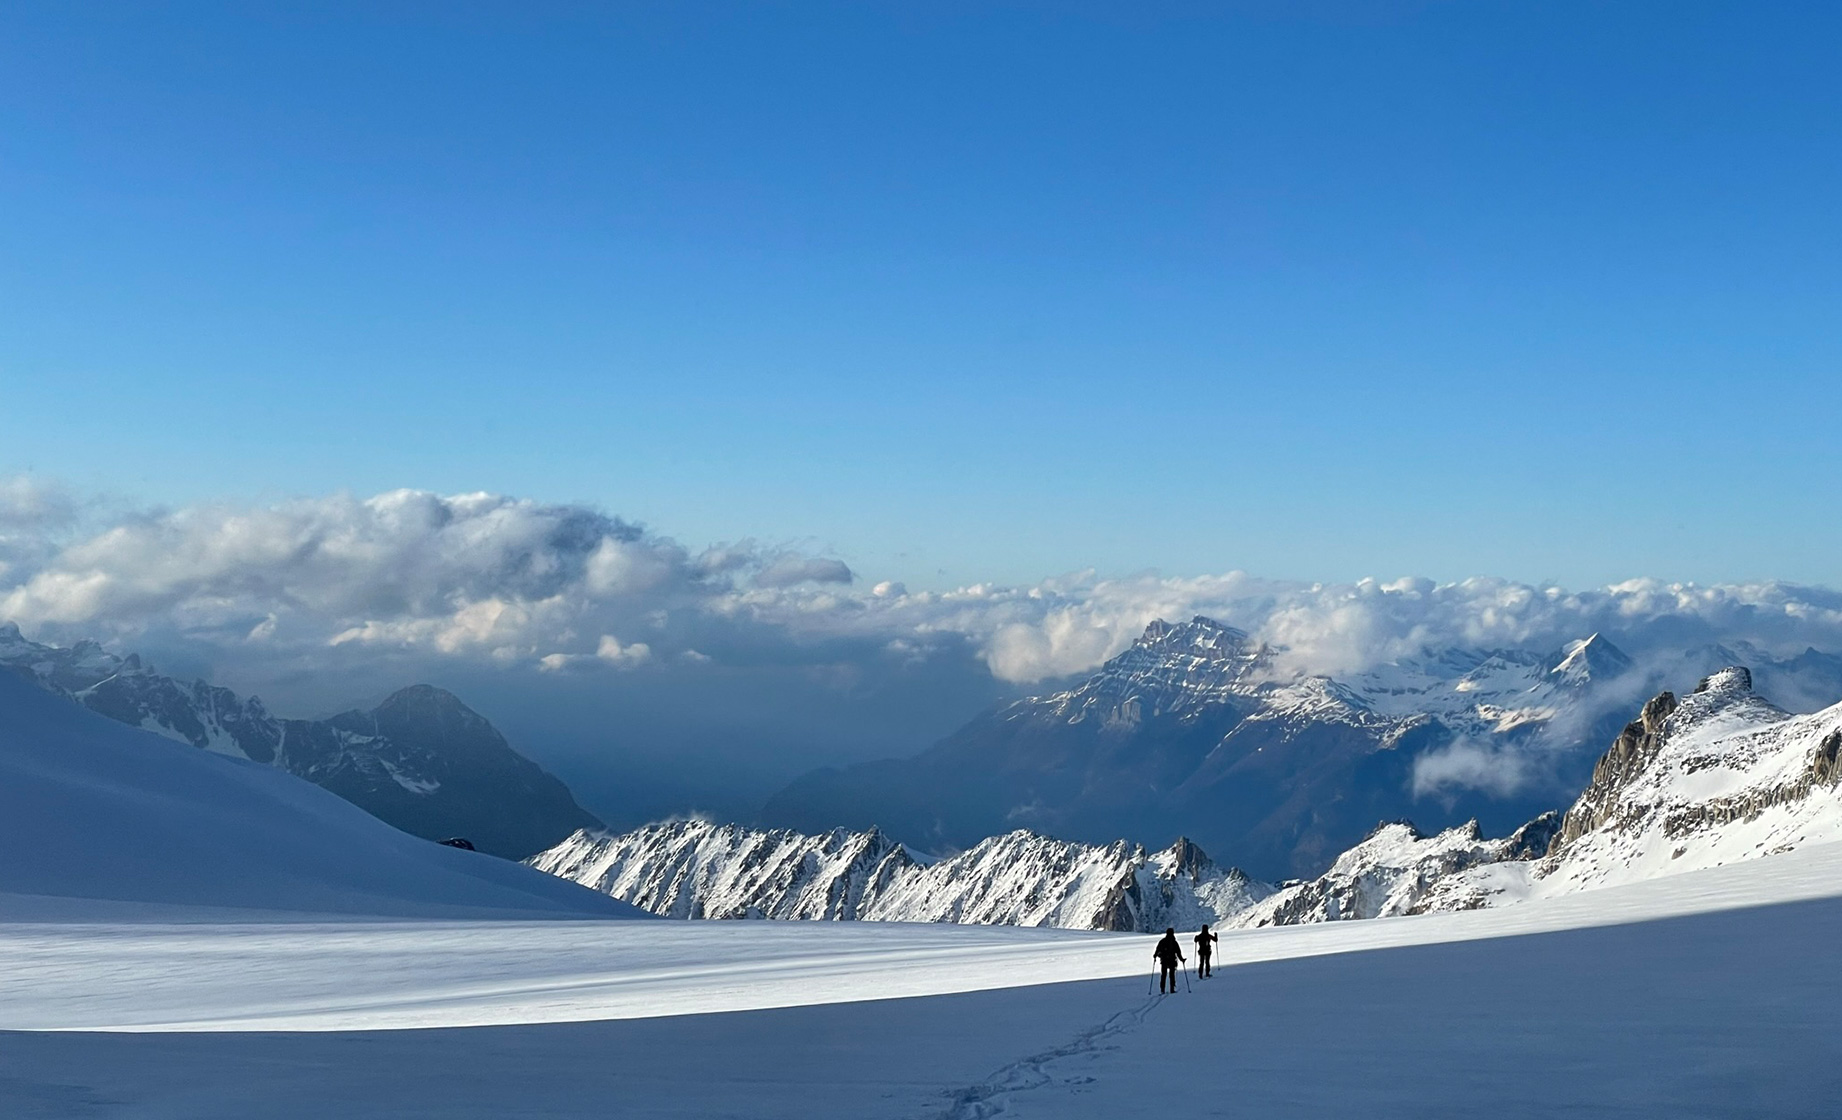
[1154, 979]
[1186, 981]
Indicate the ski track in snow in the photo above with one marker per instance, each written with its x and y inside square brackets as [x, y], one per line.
[990, 1097]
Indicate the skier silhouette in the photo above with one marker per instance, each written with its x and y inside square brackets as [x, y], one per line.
[1168, 954]
[1205, 946]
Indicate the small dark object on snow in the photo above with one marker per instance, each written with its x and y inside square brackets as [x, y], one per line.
[458, 842]
[1168, 953]
[1205, 946]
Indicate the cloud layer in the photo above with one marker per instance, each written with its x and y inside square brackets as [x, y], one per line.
[745, 659]
[521, 583]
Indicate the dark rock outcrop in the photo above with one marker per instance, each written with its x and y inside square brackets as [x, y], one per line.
[1634, 749]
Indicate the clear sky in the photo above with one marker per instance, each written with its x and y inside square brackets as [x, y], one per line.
[954, 292]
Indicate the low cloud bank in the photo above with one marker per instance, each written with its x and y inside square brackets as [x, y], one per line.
[518, 582]
[413, 585]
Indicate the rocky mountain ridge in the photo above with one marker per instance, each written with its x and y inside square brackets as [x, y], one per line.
[1719, 776]
[697, 869]
[421, 760]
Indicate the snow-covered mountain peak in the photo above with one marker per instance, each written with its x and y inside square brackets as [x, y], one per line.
[1200, 650]
[1200, 637]
[1170, 669]
[1717, 775]
[1722, 703]
[71, 669]
[1732, 679]
[1196, 718]
[1183, 857]
[1589, 660]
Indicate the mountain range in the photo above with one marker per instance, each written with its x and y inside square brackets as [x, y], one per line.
[1718, 776]
[1198, 729]
[696, 869]
[421, 760]
[1194, 729]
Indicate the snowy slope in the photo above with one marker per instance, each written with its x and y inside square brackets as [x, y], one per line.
[1722, 776]
[1392, 872]
[93, 810]
[1702, 1016]
[1702, 994]
[421, 760]
[694, 869]
[102, 975]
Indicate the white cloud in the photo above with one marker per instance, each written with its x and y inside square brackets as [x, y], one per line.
[513, 582]
[28, 503]
[34, 515]
[611, 651]
[1499, 770]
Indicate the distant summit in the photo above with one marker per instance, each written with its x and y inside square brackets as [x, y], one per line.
[421, 760]
[93, 810]
[1194, 728]
[1591, 659]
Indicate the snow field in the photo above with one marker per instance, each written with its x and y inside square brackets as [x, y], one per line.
[339, 975]
[1724, 1011]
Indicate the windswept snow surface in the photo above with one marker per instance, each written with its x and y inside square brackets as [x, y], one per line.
[98, 973]
[1705, 994]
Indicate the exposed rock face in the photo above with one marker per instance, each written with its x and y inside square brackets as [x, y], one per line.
[1723, 775]
[1534, 839]
[1722, 697]
[421, 760]
[1635, 748]
[694, 869]
[1195, 726]
[1825, 769]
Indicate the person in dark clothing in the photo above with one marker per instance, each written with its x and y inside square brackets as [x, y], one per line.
[1168, 954]
[1205, 947]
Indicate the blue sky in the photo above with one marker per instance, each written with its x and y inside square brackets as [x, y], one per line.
[954, 292]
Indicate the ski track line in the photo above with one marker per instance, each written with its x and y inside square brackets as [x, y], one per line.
[988, 1098]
